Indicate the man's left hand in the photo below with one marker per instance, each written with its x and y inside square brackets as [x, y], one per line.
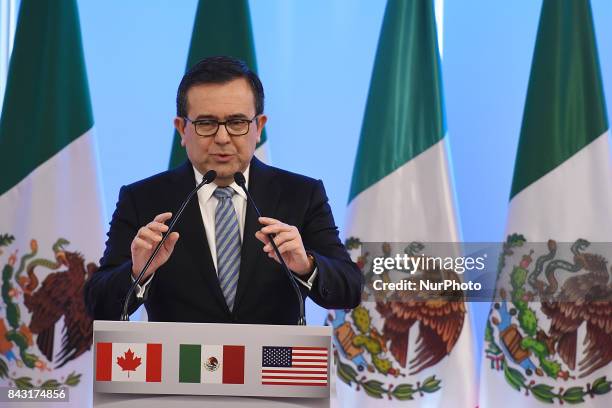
[289, 242]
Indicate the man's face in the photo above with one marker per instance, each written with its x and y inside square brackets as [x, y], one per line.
[220, 152]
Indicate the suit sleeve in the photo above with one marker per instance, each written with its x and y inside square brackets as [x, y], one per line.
[339, 281]
[105, 291]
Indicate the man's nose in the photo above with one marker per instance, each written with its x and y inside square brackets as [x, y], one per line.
[222, 137]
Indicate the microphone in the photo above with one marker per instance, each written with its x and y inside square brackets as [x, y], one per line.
[240, 180]
[209, 177]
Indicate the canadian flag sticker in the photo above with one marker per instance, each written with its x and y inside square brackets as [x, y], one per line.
[137, 362]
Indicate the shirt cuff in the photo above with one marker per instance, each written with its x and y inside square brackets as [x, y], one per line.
[310, 280]
[141, 289]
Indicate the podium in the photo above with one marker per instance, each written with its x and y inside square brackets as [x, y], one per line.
[161, 364]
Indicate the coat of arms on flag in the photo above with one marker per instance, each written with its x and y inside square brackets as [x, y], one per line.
[373, 338]
[211, 364]
[38, 293]
[546, 293]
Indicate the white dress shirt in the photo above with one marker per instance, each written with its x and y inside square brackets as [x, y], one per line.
[208, 205]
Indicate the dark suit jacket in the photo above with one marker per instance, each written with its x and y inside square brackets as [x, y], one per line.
[187, 289]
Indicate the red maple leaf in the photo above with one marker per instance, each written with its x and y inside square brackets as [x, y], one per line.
[128, 362]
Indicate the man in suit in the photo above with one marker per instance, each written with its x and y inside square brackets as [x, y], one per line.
[219, 265]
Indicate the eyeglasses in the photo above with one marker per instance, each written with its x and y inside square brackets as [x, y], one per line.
[209, 127]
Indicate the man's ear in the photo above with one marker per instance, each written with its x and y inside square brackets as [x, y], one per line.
[261, 122]
[179, 125]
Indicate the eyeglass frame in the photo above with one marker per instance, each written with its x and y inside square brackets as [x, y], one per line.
[219, 123]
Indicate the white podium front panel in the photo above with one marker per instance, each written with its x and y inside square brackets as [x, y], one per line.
[288, 363]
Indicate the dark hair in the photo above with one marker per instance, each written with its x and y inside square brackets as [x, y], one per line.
[218, 70]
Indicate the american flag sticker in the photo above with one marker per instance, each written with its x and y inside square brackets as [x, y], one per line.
[300, 366]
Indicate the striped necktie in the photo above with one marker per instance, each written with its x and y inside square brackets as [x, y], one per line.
[227, 237]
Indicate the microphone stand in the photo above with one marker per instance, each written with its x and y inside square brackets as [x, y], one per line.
[240, 180]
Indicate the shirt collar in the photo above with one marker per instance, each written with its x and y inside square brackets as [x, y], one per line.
[207, 190]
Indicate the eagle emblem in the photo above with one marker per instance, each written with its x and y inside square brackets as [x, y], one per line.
[371, 341]
[211, 364]
[543, 298]
[38, 294]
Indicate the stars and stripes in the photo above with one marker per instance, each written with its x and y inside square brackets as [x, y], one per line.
[301, 366]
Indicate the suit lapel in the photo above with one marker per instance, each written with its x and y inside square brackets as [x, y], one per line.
[193, 235]
[265, 192]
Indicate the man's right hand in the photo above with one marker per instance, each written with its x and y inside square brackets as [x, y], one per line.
[145, 242]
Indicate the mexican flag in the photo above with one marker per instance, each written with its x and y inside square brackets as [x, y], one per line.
[221, 28]
[548, 337]
[136, 362]
[211, 364]
[396, 353]
[51, 220]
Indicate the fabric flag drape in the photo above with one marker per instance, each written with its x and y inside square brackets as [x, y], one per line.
[548, 335]
[221, 28]
[402, 192]
[51, 219]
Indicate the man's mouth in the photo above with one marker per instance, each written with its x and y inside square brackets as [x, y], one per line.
[222, 157]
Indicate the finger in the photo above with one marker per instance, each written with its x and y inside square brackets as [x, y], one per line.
[157, 226]
[285, 237]
[276, 228]
[171, 242]
[262, 237]
[268, 220]
[163, 217]
[273, 256]
[148, 235]
[288, 247]
[282, 238]
[139, 243]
